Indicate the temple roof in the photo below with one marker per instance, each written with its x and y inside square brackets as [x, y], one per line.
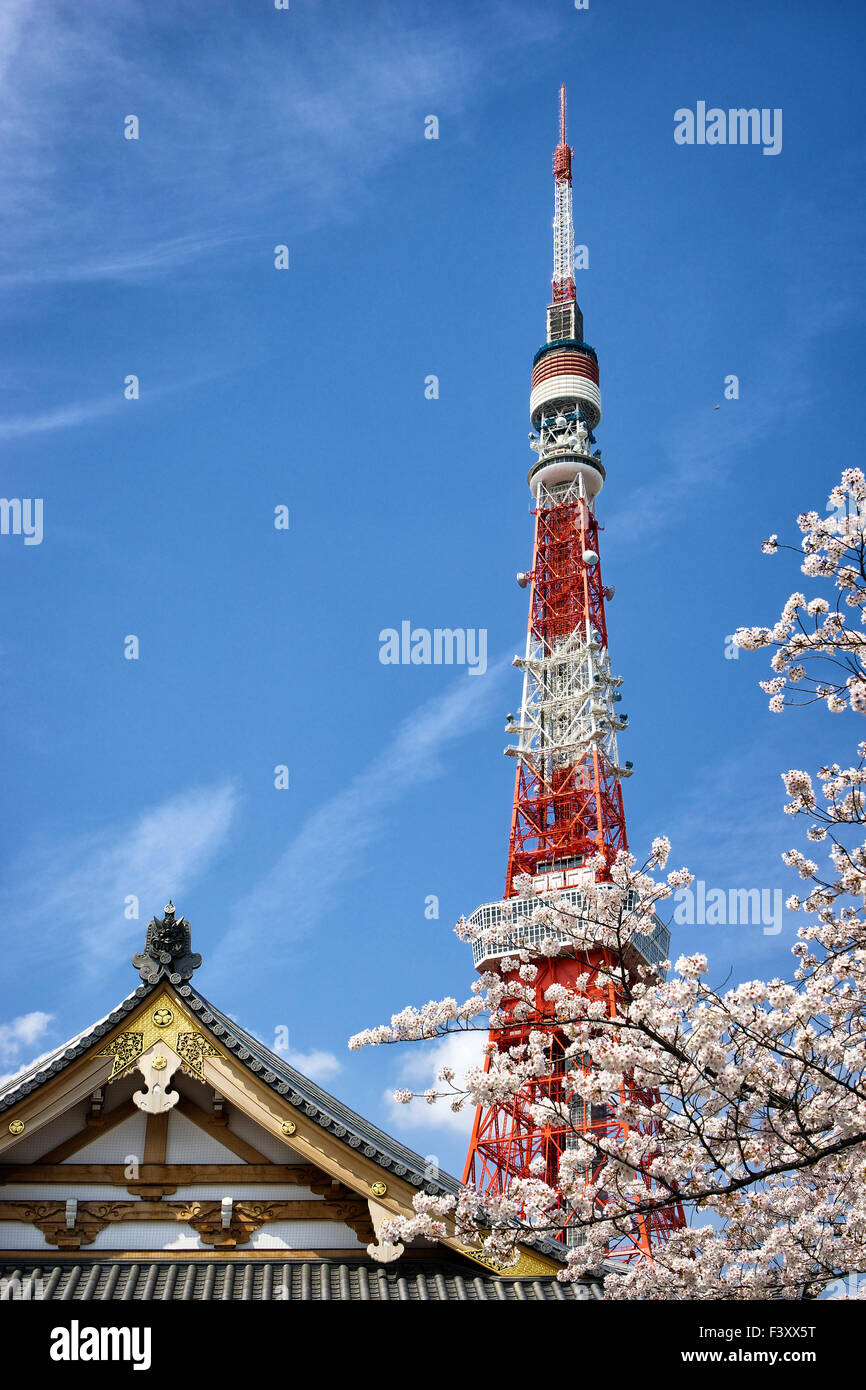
[273, 1070]
[252, 1278]
[166, 965]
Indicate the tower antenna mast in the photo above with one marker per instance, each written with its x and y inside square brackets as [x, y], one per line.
[563, 219]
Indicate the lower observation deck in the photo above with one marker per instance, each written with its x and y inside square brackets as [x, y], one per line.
[506, 936]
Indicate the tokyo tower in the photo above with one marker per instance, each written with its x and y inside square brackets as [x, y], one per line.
[568, 804]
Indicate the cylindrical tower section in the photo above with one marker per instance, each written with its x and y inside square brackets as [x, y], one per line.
[565, 380]
[565, 407]
[564, 466]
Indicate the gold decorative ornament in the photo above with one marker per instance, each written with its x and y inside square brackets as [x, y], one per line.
[159, 1063]
[528, 1266]
[17, 1126]
[378, 1189]
[192, 1049]
[159, 1024]
[288, 1127]
[124, 1050]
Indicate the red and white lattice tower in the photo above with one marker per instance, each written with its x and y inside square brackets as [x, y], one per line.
[568, 787]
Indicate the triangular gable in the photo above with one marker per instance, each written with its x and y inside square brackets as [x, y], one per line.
[355, 1174]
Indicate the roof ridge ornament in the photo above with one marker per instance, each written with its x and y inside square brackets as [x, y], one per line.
[167, 950]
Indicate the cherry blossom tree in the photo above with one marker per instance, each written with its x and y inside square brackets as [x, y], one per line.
[745, 1107]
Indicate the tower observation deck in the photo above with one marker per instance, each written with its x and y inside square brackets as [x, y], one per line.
[568, 802]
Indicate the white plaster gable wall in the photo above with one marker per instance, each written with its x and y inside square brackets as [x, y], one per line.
[116, 1146]
[266, 1143]
[146, 1235]
[43, 1140]
[304, 1235]
[20, 1235]
[187, 1143]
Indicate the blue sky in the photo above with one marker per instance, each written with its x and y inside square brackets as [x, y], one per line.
[305, 387]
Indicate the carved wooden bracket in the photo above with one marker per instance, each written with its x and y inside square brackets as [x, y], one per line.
[324, 1185]
[92, 1217]
[158, 1065]
[205, 1217]
[383, 1251]
[356, 1216]
[150, 1191]
[246, 1218]
[354, 1210]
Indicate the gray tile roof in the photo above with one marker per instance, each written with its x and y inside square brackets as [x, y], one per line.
[258, 1280]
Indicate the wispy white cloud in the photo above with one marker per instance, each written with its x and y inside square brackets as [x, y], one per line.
[214, 152]
[68, 896]
[21, 1032]
[418, 1071]
[294, 895]
[135, 262]
[70, 416]
[318, 1064]
[60, 418]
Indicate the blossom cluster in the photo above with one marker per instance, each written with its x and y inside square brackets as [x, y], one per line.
[818, 630]
[743, 1107]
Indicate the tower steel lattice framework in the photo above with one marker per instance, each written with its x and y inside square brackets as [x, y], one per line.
[568, 803]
